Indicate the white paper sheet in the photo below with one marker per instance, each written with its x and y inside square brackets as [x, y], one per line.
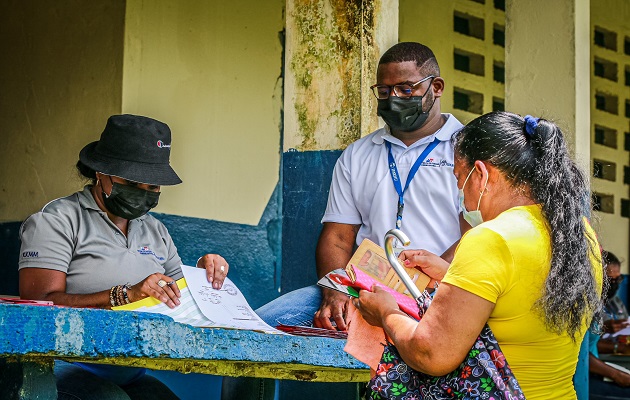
[226, 307]
[186, 313]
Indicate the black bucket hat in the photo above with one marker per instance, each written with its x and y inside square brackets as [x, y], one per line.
[135, 148]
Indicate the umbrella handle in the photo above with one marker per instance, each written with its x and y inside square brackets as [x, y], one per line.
[395, 263]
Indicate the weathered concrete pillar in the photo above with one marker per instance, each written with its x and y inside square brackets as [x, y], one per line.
[332, 49]
[331, 53]
[547, 59]
[547, 66]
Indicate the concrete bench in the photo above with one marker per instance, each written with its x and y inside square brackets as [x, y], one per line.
[31, 337]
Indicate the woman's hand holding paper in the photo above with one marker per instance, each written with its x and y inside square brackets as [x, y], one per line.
[216, 268]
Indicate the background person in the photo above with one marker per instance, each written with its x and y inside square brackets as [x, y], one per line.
[616, 316]
[530, 267]
[617, 385]
[605, 381]
[99, 248]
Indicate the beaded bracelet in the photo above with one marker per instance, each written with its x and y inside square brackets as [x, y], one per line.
[124, 292]
[118, 295]
[111, 296]
[120, 298]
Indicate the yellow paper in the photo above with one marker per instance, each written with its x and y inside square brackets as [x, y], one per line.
[147, 301]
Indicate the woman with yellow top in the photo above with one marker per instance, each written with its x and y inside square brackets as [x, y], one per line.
[530, 267]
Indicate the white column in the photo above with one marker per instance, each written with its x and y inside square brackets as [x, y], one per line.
[547, 66]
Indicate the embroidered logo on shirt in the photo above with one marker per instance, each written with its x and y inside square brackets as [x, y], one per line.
[145, 250]
[161, 144]
[30, 254]
[432, 162]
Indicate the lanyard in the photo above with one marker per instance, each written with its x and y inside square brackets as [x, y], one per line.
[393, 171]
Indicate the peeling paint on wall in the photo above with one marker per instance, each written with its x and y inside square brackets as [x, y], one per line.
[68, 332]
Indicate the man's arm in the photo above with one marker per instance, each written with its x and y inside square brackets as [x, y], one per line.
[597, 366]
[334, 250]
[49, 284]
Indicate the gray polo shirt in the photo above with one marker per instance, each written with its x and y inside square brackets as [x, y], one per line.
[73, 235]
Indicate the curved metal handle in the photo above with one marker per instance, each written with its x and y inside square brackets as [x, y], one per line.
[393, 260]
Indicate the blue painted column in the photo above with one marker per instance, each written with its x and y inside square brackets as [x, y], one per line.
[580, 379]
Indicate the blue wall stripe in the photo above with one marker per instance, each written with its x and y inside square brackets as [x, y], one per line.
[306, 181]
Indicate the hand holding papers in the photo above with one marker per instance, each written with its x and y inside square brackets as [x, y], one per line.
[203, 306]
[369, 266]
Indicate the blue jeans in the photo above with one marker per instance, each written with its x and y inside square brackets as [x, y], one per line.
[77, 383]
[294, 308]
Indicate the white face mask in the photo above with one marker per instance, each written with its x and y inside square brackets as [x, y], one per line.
[474, 218]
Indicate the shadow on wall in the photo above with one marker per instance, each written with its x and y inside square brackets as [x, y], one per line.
[9, 253]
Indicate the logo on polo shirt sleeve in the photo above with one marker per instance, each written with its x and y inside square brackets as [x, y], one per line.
[30, 254]
[146, 251]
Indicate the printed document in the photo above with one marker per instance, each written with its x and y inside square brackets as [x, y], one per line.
[203, 306]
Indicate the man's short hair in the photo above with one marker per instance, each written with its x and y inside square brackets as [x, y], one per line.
[609, 258]
[412, 51]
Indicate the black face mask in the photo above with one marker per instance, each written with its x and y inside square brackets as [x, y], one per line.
[403, 114]
[612, 289]
[130, 202]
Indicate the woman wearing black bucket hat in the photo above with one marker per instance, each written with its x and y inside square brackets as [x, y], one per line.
[99, 247]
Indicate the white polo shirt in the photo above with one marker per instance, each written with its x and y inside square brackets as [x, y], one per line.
[362, 191]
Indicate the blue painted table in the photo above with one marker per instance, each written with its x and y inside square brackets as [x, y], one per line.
[31, 337]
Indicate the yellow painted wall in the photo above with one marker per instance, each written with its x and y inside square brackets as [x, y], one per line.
[212, 72]
[60, 74]
[430, 22]
[613, 16]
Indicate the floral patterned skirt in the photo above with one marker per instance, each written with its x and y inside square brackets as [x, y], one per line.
[484, 374]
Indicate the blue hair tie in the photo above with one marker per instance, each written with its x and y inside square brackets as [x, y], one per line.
[531, 124]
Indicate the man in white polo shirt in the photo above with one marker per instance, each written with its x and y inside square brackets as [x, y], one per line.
[398, 176]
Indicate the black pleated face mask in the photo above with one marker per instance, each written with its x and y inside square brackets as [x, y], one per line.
[403, 114]
[130, 202]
